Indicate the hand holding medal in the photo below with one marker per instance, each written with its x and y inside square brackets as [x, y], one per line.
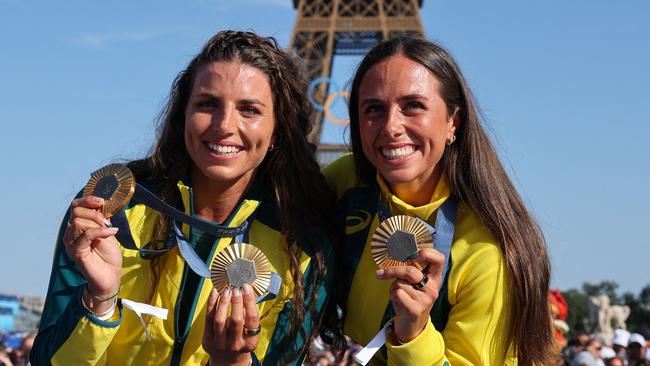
[89, 238]
[240, 274]
[402, 247]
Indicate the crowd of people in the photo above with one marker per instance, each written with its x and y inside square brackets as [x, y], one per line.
[624, 349]
[15, 352]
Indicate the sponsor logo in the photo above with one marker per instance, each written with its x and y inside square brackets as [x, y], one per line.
[356, 222]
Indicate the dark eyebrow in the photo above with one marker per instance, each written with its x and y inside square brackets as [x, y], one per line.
[413, 96]
[242, 101]
[370, 101]
[251, 101]
[207, 95]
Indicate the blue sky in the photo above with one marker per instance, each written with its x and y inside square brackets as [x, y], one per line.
[563, 85]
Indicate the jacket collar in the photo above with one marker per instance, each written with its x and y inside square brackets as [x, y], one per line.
[245, 208]
[425, 212]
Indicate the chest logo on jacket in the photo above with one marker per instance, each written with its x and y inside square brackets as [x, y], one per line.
[359, 220]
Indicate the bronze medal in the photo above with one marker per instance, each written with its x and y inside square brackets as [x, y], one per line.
[241, 263]
[114, 183]
[397, 240]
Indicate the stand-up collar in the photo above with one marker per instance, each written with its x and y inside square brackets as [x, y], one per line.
[397, 206]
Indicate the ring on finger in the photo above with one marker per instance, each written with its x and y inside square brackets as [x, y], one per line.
[423, 282]
[252, 331]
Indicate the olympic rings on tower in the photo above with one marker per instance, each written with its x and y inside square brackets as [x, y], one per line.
[330, 100]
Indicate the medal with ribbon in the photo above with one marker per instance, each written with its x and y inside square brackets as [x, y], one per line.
[396, 242]
[241, 262]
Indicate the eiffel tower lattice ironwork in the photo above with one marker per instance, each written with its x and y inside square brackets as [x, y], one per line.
[325, 28]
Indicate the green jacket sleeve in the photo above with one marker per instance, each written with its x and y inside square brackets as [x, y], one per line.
[68, 333]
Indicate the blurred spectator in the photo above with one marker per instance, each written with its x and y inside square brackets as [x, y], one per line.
[615, 361]
[19, 356]
[619, 342]
[636, 350]
[321, 355]
[5, 360]
[574, 347]
[647, 347]
[606, 353]
[590, 356]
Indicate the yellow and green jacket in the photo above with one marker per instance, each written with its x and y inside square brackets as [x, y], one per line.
[469, 321]
[70, 335]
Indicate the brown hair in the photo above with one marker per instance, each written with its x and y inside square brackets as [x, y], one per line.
[477, 178]
[290, 171]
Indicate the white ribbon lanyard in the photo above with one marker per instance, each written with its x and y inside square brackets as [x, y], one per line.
[364, 356]
[140, 308]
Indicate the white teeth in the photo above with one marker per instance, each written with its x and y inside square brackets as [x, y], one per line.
[398, 153]
[221, 149]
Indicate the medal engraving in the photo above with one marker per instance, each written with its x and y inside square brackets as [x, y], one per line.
[114, 183]
[241, 263]
[241, 271]
[106, 187]
[397, 240]
[402, 246]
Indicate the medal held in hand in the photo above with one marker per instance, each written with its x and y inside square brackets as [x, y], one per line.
[397, 240]
[241, 263]
[114, 183]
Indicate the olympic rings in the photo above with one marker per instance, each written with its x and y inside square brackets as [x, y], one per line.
[330, 100]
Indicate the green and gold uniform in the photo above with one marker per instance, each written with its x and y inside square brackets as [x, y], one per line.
[70, 335]
[469, 320]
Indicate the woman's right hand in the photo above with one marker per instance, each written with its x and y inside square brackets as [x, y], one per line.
[228, 339]
[92, 245]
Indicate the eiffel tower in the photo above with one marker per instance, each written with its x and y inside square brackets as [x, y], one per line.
[325, 28]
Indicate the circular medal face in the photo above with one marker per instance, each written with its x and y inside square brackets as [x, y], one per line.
[114, 183]
[241, 263]
[396, 241]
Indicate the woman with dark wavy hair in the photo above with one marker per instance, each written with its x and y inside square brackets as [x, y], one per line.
[420, 151]
[231, 149]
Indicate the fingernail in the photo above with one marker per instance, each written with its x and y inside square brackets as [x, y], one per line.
[236, 292]
[114, 229]
[107, 222]
[380, 273]
[246, 289]
[227, 293]
[97, 199]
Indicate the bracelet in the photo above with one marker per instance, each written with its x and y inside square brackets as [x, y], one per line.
[100, 299]
[103, 316]
[391, 329]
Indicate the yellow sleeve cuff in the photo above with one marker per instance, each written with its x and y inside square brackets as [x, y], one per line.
[428, 348]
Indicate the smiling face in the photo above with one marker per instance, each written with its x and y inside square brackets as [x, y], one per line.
[404, 124]
[229, 122]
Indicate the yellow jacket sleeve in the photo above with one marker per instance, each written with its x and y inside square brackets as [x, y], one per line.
[89, 340]
[476, 331]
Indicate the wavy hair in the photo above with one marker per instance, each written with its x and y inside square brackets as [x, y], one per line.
[290, 171]
[477, 178]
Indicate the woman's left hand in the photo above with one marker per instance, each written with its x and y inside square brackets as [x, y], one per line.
[411, 302]
[230, 340]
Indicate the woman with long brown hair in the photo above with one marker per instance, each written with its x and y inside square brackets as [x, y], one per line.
[231, 153]
[419, 150]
